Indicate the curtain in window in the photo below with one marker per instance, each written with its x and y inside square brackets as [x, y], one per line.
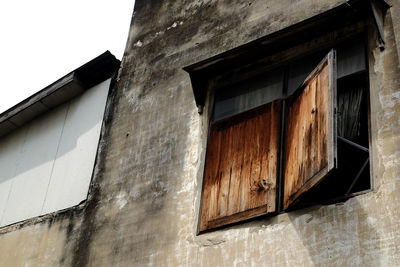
[349, 105]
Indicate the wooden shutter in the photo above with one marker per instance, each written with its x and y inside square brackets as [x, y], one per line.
[311, 131]
[241, 167]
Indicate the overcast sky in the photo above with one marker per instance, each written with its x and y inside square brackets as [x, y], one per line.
[43, 40]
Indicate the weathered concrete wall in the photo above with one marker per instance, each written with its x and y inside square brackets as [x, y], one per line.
[144, 200]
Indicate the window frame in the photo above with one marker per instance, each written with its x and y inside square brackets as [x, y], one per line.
[361, 29]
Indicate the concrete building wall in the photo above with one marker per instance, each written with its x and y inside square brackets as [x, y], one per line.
[143, 204]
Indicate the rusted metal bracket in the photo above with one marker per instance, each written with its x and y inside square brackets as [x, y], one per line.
[357, 176]
[362, 148]
[352, 144]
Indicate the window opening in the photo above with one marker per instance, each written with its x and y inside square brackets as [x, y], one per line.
[242, 180]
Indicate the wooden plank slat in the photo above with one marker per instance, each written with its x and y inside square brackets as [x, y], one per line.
[246, 168]
[210, 179]
[225, 173]
[241, 167]
[237, 166]
[311, 131]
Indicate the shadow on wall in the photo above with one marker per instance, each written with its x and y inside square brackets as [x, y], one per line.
[340, 235]
[50, 136]
[46, 165]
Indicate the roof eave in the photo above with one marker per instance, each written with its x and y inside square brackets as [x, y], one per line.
[59, 92]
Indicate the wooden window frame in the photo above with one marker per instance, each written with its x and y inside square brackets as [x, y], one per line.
[362, 30]
[206, 223]
[264, 187]
[330, 61]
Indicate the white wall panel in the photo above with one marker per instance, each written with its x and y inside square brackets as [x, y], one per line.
[10, 150]
[34, 167]
[78, 146]
[47, 165]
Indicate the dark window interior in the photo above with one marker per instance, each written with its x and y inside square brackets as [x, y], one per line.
[248, 94]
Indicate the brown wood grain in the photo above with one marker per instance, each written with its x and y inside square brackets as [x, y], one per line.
[310, 133]
[241, 167]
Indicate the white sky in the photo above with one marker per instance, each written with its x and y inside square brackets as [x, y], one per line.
[43, 40]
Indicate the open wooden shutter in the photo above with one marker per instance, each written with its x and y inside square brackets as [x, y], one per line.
[241, 167]
[311, 131]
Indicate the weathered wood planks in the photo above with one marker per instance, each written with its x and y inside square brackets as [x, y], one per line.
[311, 132]
[241, 172]
[241, 167]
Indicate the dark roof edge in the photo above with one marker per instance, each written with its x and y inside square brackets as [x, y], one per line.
[72, 84]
